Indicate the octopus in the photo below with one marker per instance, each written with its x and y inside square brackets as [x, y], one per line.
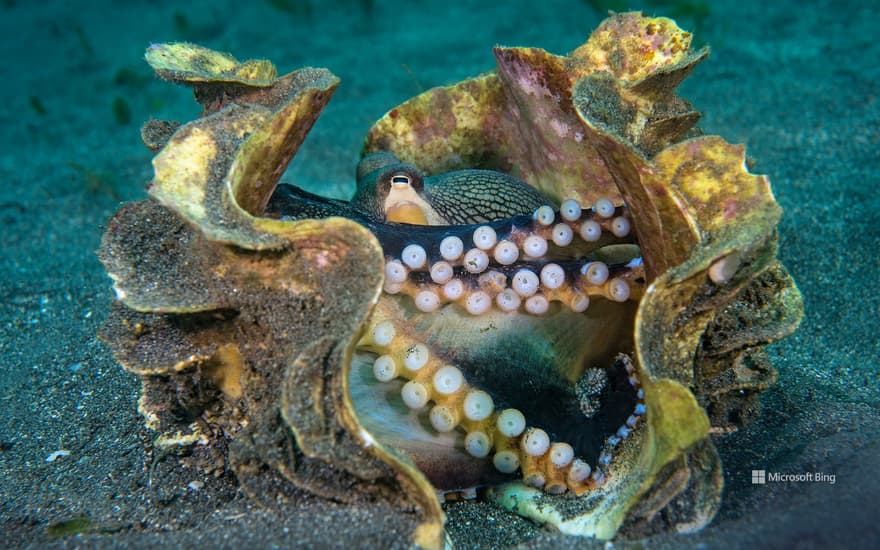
[507, 267]
[548, 290]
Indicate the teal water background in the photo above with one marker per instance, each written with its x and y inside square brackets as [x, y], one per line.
[797, 82]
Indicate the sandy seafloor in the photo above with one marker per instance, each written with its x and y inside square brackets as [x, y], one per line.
[798, 82]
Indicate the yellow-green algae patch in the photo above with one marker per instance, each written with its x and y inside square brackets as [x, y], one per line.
[184, 62]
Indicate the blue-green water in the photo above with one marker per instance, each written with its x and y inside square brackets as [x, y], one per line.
[797, 82]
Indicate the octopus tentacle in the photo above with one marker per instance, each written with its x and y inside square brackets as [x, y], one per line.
[504, 436]
[434, 265]
[521, 262]
[530, 286]
[544, 233]
[289, 202]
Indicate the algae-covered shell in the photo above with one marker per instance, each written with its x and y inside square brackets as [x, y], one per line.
[522, 119]
[259, 326]
[264, 312]
[191, 63]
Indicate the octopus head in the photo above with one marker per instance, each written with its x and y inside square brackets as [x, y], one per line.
[390, 190]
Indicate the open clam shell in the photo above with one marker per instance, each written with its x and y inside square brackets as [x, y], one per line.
[270, 331]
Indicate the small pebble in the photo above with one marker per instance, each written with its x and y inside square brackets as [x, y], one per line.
[56, 455]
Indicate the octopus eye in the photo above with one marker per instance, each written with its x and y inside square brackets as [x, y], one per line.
[400, 181]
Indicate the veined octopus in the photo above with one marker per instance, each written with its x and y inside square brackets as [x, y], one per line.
[527, 258]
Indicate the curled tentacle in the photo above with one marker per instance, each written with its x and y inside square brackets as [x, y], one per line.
[491, 426]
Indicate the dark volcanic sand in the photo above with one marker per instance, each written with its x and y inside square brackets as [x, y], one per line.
[798, 82]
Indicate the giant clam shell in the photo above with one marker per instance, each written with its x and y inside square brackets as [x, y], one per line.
[249, 324]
